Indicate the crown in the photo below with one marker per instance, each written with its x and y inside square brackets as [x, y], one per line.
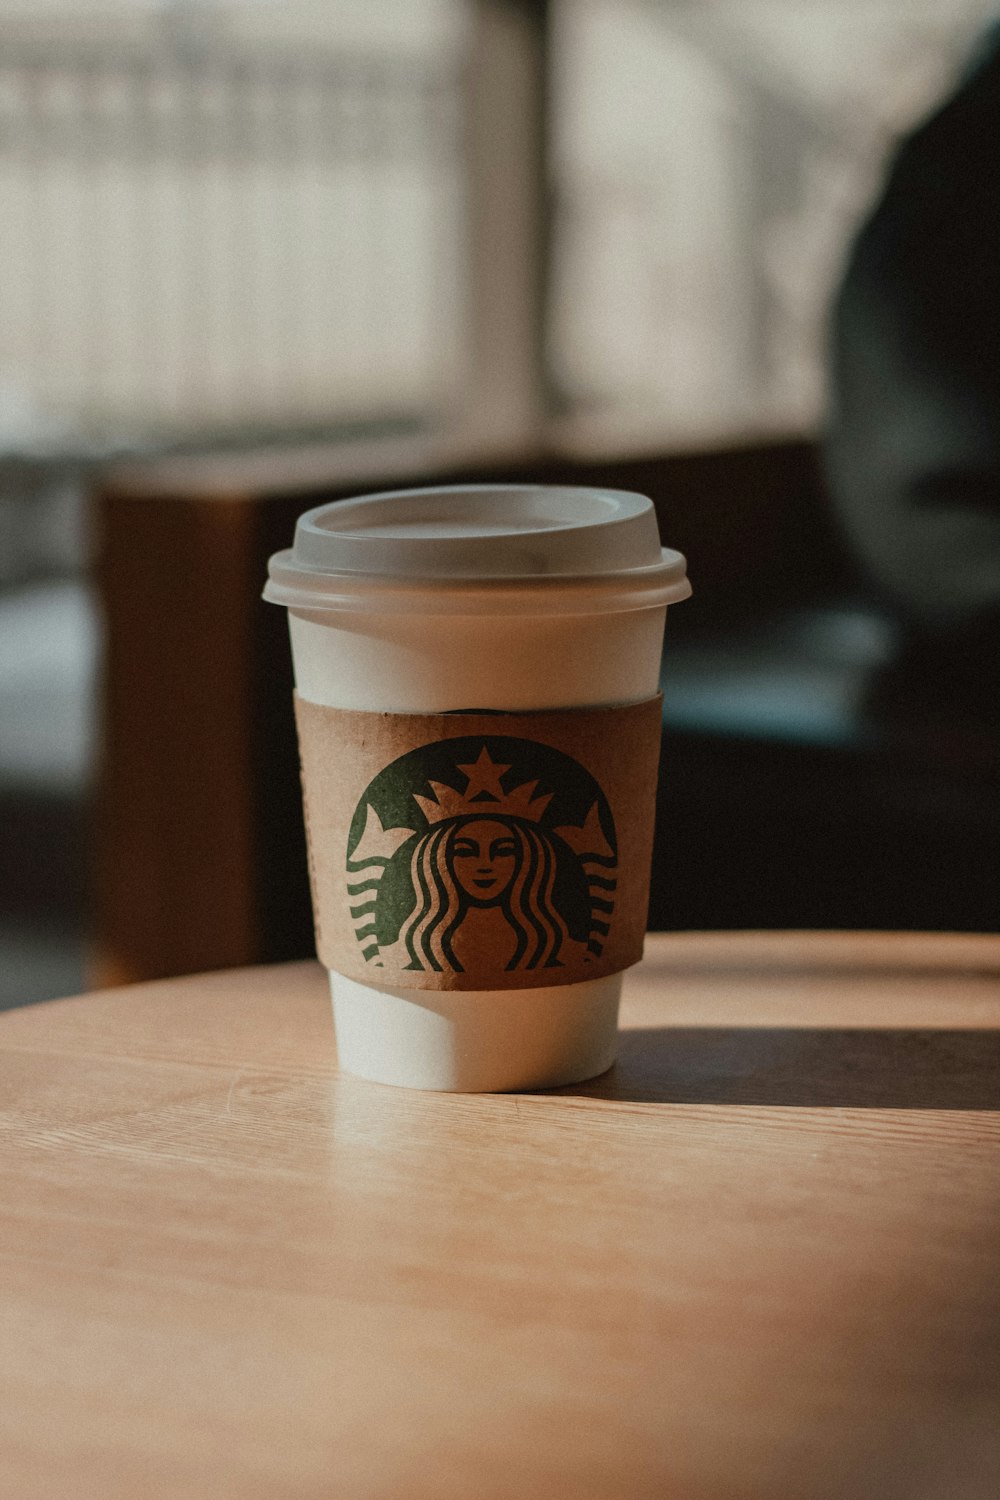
[484, 794]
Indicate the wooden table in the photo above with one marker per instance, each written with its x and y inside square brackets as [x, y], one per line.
[758, 1259]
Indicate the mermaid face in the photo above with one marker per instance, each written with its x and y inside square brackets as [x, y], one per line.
[483, 857]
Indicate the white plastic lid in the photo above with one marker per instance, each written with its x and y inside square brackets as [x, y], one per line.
[479, 549]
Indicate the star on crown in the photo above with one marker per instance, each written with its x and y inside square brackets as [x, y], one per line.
[484, 794]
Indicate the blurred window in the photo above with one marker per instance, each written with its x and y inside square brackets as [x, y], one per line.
[250, 218]
[712, 161]
[225, 218]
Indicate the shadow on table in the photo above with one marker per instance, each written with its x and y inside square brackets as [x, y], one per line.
[810, 1068]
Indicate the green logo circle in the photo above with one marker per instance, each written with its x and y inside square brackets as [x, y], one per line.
[482, 854]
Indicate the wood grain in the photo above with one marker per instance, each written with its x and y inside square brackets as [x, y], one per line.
[757, 1259]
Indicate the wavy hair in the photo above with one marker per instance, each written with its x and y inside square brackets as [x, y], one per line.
[528, 901]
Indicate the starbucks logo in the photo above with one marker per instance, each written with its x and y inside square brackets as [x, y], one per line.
[481, 855]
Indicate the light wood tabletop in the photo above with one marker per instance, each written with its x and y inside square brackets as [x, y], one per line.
[757, 1259]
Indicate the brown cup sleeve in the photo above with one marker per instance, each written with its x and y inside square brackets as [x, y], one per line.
[480, 850]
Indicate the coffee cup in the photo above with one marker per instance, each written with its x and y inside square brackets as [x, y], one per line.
[477, 674]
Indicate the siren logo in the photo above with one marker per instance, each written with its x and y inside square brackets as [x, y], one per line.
[481, 855]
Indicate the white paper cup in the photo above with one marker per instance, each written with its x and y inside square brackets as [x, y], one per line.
[507, 598]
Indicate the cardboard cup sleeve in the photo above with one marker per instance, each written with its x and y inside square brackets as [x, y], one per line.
[479, 850]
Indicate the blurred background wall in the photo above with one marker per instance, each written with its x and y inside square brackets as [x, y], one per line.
[233, 221]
